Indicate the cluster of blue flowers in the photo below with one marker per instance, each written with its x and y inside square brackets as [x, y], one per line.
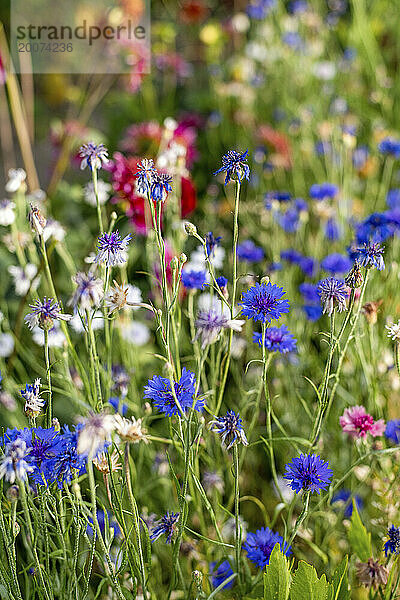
[277, 339]
[159, 390]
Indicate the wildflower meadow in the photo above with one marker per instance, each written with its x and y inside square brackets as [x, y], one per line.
[200, 304]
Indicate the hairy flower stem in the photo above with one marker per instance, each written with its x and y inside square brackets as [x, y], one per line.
[238, 541]
[96, 194]
[268, 415]
[227, 357]
[301, 517]
[9, 543]
[92, 342]
[397, 357]
[135, 516]
[49, 413]
[96, 525]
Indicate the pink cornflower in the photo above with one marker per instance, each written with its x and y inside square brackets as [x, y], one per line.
[357, 423]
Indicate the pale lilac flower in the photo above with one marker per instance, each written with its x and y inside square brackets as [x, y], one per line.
[54, 230]
[135, 333]
[16, 178]
[394, 331]
[7, 214]
[6, 344]
[33, 402]
[95, 430]
[13, 466]
[112, 249]
[103, 192]
[93, 155]
[357, 423]
[89, 291]
[24, 278]
[44, 313]
[211, 323]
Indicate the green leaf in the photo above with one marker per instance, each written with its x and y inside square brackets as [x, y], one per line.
[359, 538]
[340, 582]
[307, 586]
[388, 589]
[277, 576]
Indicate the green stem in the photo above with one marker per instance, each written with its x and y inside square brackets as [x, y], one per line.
[99, 217]
[49, 415]
[238, 541]
[301, 517]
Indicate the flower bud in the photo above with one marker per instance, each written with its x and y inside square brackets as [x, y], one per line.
[36, 220]
[45, 322]
[190, 228]
[197, 578]
[174, 263]
[56, 424]
[12, 493]
[182, 258]
[354, 279]
[265, 279]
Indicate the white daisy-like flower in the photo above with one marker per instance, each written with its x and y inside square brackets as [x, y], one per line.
[7, 214]
[394, 331]
[24, 278]
[103, 192]
[6, 344]
[135, 333]
[16, 178]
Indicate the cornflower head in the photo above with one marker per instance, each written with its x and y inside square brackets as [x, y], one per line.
[94, 432]
[220, 574]
[210, 323]
[89, 291]
[308, 472]
[333, 294]
[259, 546]
[33, 402]
[160, 186]
[13, 466]
[213, 481]
[193, 280]
[93, 156]
[323, 191]
[235, 165]
[112, 249]
[36, 220]
[145, 174]
[371, 255]
[263, 302]
[130, 430]
[166, 525]
[393, 543]
[249, 252]
[394, 332]
[159, 390]
[390, 146]
[277, 339]
[121, 380]
[117, 297]
[392, 431]
[357, 423]
[107, 463]
[230, 429]
[68, 463]
[212, 242]
[372, 574]
[44, 313]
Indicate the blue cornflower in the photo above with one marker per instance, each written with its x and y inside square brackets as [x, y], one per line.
[313, 313]
[345, 496]
[118, 405]
[235, 165]
[390, 146]
[288, 220]
[308, 472]
[371, 255]
[275, 266]
[160, 186]
[296, 7]
[392, 430]
[293, 39]
[248, 251]
[13, 466]
[230, 429]
[222, 282]
[277, 339]
[120, 380]
[260, 544]
[336, 263]
[44, 312]
[33, 402]
[333, 293]
[166, 525]
[145, 174]
[308, 265]
[393, 199]
[259, 9]
[378, 227]
[212, 242]
[323, 148]
[159, 390]
[93, 155]
[194, 280]
[332, 230]
[393, 543]
[112, 249]
[263, 302]
[103, 519]
[67, 463]
[309, 292]
[323, 191]
[292, 256]
[221, 574]
[275, 196]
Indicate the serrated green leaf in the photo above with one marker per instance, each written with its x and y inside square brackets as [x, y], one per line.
[307, 586]
[359, 538]
[277, 576]
[340, 582]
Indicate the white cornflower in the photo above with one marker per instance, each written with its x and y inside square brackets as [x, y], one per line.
[210, 324]
[33, 402]
[135, 333]
[13, 465]
[123, 296]
[89, 291]
[103, 192]
[101, 462]
[394, 331]
[24, 278]
[7, 214]
[130, 430]
[16, 178]
[6, 344]
[96, 430]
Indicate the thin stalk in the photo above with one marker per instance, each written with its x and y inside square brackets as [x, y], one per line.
[301, 517]
[49, 414]
[238, 541]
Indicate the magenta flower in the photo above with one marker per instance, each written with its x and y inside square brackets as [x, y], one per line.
[357, 423]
